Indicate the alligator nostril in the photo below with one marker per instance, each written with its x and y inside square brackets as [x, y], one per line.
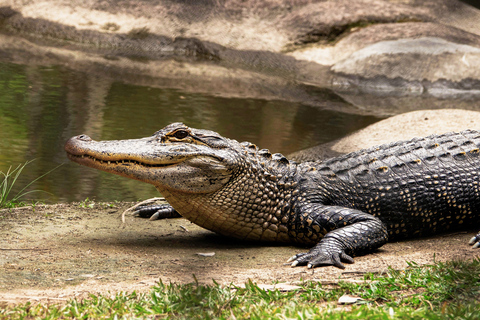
[84, 137]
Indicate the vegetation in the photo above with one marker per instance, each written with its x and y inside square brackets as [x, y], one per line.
[9, 179]
[440, 291]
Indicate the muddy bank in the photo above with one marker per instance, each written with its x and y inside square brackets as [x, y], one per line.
[52, 253]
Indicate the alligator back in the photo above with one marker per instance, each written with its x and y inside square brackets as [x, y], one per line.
[417, 187]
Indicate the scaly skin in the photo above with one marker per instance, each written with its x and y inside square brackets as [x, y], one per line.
[346, 206]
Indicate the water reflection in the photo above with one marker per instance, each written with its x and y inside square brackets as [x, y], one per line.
[41, 107]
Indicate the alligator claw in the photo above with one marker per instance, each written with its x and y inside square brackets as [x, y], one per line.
[155, 212]
[295, 257]
[314, 259]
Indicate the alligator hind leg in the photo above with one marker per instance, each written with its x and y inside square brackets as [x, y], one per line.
[475, 241]
[349, 232]
[156, 212]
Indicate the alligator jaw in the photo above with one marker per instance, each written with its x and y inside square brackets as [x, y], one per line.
[115, 166]
[119, 157]
[151, 161]
[108, 164]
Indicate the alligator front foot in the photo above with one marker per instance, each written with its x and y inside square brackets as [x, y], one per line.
[320, 259]
[475, 241]
[156, 212]
[325, 253]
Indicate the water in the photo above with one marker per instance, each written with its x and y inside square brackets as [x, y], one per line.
[41, 107]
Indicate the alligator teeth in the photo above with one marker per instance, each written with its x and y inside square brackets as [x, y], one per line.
[123, 161]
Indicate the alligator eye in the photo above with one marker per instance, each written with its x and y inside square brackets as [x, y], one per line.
[181, 134]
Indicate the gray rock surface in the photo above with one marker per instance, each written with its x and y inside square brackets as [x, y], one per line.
[401, 127]
[420, 62]
[453, 61]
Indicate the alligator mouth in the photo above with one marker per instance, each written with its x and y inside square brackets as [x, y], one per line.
[92, 161]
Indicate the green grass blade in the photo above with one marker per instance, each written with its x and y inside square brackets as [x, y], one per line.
[10, 178]
[6, 186]
[22, 194]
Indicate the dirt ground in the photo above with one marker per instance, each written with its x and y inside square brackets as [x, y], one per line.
[57, 252]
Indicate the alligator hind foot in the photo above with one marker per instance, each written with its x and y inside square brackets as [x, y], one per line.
[475, 241]
[156, 212]
[153, 212]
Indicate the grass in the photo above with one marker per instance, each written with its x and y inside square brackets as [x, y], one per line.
[9, 179]
[441, 291]
[87, 203]
[90, 203]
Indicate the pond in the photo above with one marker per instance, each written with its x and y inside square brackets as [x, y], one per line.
[42, 106]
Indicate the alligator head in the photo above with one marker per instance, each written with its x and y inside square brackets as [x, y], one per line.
[217, 183]
[177, 158]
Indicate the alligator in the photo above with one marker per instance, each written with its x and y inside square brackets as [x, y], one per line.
[345, 206]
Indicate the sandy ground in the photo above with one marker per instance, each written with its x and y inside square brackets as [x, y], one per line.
[54, 253]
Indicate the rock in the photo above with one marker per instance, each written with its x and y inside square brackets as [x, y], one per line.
[426, 59]
[267, 49]
[402, 127]
[350, 299]
[359, 38]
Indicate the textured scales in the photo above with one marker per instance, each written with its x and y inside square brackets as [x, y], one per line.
[344, 206]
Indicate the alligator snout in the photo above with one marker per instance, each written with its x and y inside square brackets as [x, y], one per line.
[73, 144]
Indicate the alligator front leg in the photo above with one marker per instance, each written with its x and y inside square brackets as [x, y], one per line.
[347, 232]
